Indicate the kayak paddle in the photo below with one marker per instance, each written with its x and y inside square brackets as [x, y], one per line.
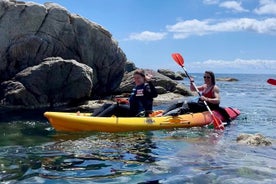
[180, 61]
[271, 81]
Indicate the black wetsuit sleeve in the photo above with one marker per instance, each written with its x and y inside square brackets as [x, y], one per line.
[150, 90]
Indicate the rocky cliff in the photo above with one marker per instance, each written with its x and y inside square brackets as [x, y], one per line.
[31, 32]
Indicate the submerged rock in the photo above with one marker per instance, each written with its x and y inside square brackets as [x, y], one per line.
[253, 139]
[31, 32]
[53, 81]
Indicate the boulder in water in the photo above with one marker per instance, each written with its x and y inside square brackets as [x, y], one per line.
[253, 139]
[227, 79]
[51, 82]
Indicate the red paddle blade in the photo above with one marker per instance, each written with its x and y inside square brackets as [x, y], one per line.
[218, 125]
[178, 59]
[271, 81]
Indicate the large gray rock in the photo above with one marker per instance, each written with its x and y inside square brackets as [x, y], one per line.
[15, 93]
[162, 82]
[182, 74]
[171, 74]
[158, 79]
[32, 32]
[160, 90]
[183, 90]
[130, 66]
[52, 82]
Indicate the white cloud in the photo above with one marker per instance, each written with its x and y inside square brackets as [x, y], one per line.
[188, 28]
[236, 66]
[210, 1]
[147, 36]
[233, 5]
[266, 7]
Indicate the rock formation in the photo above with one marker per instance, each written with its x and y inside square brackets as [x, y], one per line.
[182, 74]
[171, 74]
[31, 32]
[253, 139]
[162, 83]
[129, 66]
[227, 79]
[53, 81]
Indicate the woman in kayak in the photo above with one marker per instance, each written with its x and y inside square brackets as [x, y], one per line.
[140, 100]
[210, 94]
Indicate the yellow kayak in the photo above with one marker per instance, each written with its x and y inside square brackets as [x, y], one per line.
[73, 122]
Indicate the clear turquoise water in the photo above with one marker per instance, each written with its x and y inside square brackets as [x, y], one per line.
[31, 152]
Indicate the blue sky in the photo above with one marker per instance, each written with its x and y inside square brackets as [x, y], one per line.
[223, 36]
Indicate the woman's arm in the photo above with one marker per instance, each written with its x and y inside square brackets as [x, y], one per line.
[192, 88]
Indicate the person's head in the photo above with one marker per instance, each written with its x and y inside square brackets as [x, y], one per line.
[209, 77]
[139, 77]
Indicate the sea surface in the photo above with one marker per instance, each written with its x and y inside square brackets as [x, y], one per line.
[32, 152]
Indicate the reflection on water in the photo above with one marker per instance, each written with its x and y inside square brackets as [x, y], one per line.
[197, 155]
[24, 133]
[100, 156]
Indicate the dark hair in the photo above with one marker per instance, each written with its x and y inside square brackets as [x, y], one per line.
[140, 72]
[212, 75]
